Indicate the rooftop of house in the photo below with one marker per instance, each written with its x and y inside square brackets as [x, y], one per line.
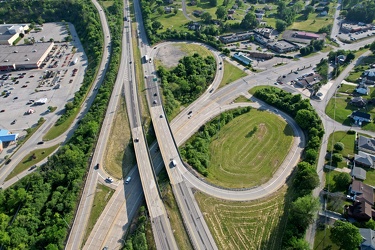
[359, 173]
[364, 191]
[366, 143]
[368, 238]
[361, 114]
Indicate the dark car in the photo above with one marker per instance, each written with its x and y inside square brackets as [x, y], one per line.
[3, 110]
[189, 113]
[136, 140]
[13, 122]
[97, 166]
[8, 161]
[15, 98]
[40, 143]
[33, 167]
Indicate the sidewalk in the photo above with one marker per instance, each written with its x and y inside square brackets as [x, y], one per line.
[342, 170]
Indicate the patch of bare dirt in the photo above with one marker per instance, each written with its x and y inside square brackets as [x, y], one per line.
[169, 55]
[261, 131]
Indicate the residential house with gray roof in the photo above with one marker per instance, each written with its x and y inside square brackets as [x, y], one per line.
[368, 236]
[366, 144]
[363, 159]
[358, 173]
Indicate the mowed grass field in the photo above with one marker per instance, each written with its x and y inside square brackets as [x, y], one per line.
[248, 150]
[231, 74]
[246, 225]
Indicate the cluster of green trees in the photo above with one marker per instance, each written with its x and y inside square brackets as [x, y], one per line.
[137, 239]
[359, 11]
[322, 69]
[34, 212]
[304, 206]
[154, 35]
[187, 81]
[196, 150]
[315, 45]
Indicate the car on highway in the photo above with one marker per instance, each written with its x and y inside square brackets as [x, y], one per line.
[189, 113]
[2, 111]
[155, 94]
[109, 180]
[155, 102]
[40, 143]
[128, 179]
[161, 116]
[96, 166]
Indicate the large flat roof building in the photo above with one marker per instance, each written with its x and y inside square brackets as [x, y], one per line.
[23, 57]
[10, 32]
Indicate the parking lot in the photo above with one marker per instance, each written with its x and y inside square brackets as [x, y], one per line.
[56, 82]
[352, 37]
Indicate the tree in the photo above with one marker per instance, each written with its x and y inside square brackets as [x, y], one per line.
[370, 224]
[303, 211]
[160, 10]
[306, 178]
[339, 146]
[156, 25]
[206, 17]
[221, 12]
[372, 47]
[305, 118]
[298, 244]
[345, 235]
[350, 56]
[308, 9]
[280, 25]
[311, 155]
[213, 3]
[342, 181]
[337, 157]
[249, 21]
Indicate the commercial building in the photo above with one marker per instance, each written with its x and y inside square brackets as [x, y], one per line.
[235, 37]
[355, 27]
[283, 46]
[6, 138]
[241, 57]
[306, 35]
[24, 56]
[10, 32]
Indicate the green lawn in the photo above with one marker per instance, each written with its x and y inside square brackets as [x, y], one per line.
[247, 151]
[344, 109]
[58, 130]
[313, 24]
[172, 21]
[370, 177]
[102, 195]
[347, 139]
[322, 240]
[241, 98]
[359, 69]
[231, 73]
[330, 174]
[191, 49]
[28, 160]
[256, 224]
[107, 4]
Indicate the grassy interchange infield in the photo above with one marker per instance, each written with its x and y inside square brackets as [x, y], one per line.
[248, 150]
[255, 224]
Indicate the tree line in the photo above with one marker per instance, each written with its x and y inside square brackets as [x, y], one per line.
[34, 212]
[196, 151]
[187, 81]
[304, 206]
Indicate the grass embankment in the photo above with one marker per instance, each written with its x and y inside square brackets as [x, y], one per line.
[344, 108]
[256, 224]
[241, 98]
[191, 49]
[119, 157]
[231, 73]
[58, 130]
[102, 195]
[29, 160]
[248, 150]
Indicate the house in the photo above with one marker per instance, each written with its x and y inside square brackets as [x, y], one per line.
[194, 26]
[197, 13]
[235, 6]
[369, 74]
[323, 13]
[319, 9]
[360, 117]
[260, 11]
[362, 191]
[360, 210]
[366, 144]
[267, 8]
[241, 57]
[230, 17]
[368, 236]
[167, 9]
[358, 173]
[358, 102]
[259, 15]
[264, 31]
[364, 159]
[362, 89]
[231, 11]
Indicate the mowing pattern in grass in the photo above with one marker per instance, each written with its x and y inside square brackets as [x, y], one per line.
[245, 225]
[249, 149]
[120, 155]
[102, 195]
[231, 73]
[31, 159]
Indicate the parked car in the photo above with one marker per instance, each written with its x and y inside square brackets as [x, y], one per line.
[13, 122]
[32, 168]
[40, 143]
[109, 180]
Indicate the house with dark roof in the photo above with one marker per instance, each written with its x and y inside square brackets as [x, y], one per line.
[369, 74]
[368, 236]
[366, 144]
[358, 173]
[362, 191]
[364, 160]
[360, 117]
[360, 210]
[358, 102]
[362, 89]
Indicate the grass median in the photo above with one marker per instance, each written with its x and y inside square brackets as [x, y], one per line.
[231, 74]
[31, 159]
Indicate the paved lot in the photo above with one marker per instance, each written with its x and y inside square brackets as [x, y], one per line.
[58, 89]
